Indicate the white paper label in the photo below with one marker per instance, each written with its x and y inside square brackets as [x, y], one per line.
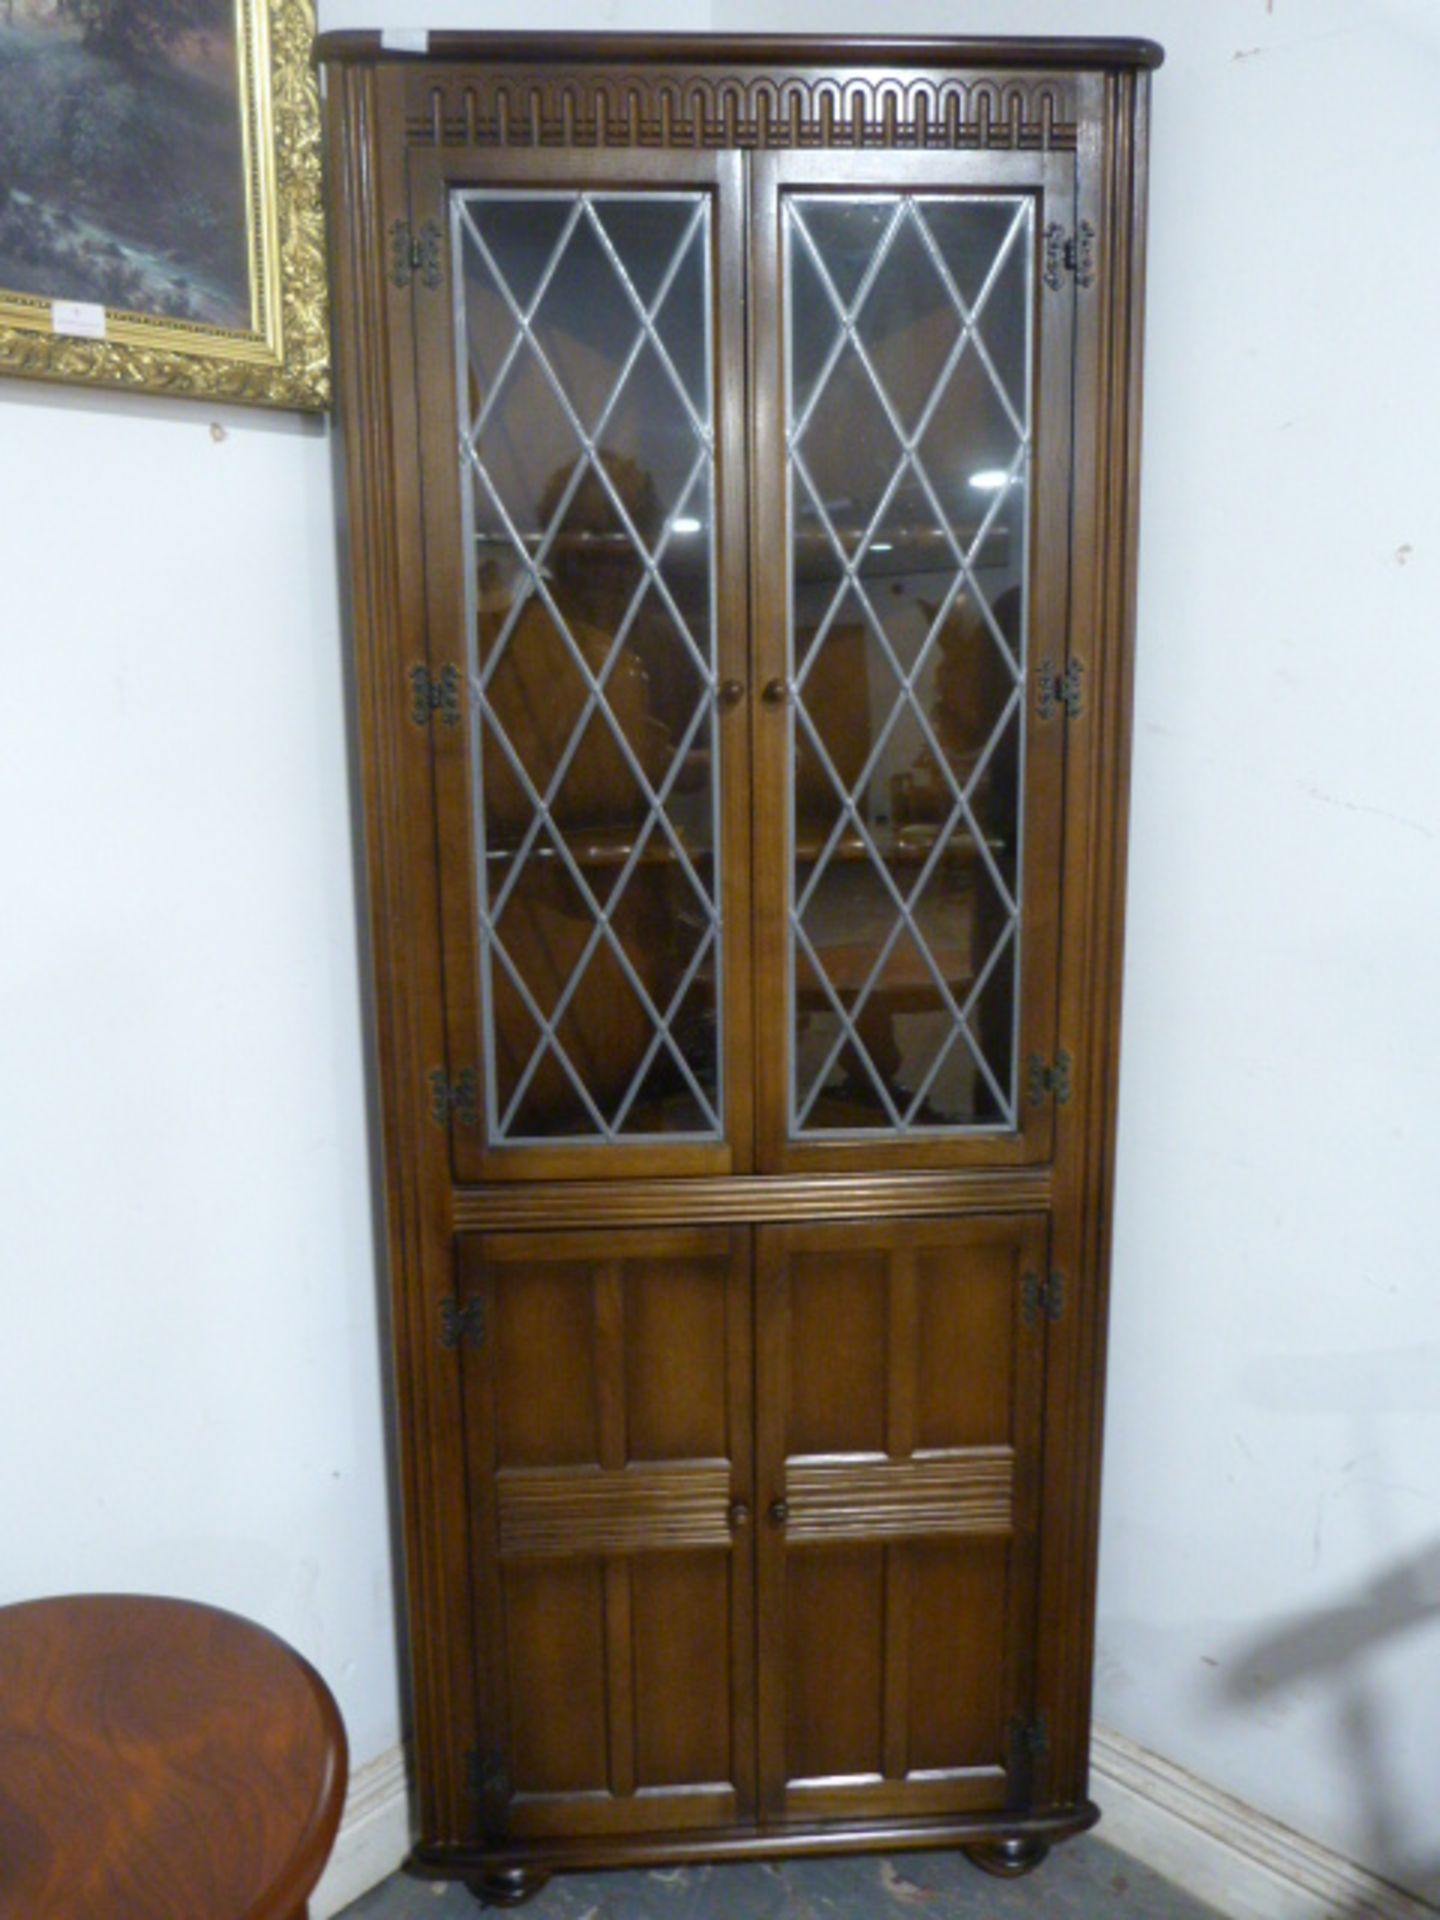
[78, 317]
[405, 39]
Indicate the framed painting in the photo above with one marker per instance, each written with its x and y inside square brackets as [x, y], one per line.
[161, 226]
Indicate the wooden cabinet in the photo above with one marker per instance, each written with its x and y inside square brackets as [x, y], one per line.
[741, 444]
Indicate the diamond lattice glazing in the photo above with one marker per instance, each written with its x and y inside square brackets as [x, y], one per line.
[587, 470]
[908, 434]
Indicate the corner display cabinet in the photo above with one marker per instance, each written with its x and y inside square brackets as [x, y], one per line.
[741, 441]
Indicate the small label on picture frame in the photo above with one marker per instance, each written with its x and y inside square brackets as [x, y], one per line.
[79, 318]
[405, 39]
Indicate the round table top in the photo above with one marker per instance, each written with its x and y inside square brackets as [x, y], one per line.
[160, 1760]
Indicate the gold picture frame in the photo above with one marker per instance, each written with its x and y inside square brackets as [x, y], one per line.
[280, 358]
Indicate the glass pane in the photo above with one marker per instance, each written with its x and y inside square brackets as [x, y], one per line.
[587, 469]
[908, 426]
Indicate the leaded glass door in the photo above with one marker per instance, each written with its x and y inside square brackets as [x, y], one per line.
[913, 430]
[582, 437]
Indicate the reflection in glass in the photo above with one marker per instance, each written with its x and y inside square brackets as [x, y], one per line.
[908, 428]
[587, 479]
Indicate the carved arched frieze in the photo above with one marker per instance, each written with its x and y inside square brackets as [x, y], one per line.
[610, 107]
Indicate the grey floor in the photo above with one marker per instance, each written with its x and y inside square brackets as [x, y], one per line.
[1083, 1877]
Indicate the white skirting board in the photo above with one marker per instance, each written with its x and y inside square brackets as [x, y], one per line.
[1224, 1852]
[374, 1835]
[1240, 1862]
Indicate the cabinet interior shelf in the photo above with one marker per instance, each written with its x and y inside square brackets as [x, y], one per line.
[610, 848]
[901, 550]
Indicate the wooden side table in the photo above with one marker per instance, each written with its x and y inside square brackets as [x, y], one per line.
[160, 1760]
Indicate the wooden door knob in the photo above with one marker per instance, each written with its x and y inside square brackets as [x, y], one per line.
[730, 693]
[739, 1515]
[775, 693]
[779, 1512]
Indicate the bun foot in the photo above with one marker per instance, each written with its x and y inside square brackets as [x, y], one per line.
[1008, 1859]
[511, 1887]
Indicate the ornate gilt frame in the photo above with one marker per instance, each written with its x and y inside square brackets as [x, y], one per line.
[283, 358]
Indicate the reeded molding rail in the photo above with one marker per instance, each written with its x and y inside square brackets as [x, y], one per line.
[748, 1199]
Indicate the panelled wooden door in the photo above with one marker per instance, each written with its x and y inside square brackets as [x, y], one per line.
[582, 442]
[899, 1389]
[608, 1415]
[911, 344]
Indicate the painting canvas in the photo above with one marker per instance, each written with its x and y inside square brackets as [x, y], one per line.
[148, 167]
[122, 156]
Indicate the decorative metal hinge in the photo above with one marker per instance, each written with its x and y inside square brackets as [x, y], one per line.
[1029, 1736]
[1054, 689]
[455, 1099]
[435, 693]
[489, 1781]
[462, 1325]
[1069, 253]
[414, 256]
[1039, 1296]
[1028, 1741]
[1044, 1079]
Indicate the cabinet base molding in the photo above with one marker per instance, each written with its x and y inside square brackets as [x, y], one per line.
[1026, 1838]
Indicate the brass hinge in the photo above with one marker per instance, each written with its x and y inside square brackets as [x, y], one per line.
[462, 1325]
[1039, 1296]
[414, 256]
[1044, 1080]
[1072, 253]
[489, 1781]
[454, 1099]
[435, 693]
[1054, 689]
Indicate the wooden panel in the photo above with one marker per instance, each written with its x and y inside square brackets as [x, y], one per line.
[621, 1688]
[958, 1627]
[675, 1394]
[966, 1344]
[620, 1675]
[380, 536]
[627, 1512]
[888, 1499]
[681, 1624]
[555, 1658]
[1109, 330]
[834, 1628]
[837, 1306]
[897, 1579]
[544, 1335]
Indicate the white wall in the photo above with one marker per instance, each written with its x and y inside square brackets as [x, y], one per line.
[1270, 1581]
[189, 1374]
[190, 1368]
